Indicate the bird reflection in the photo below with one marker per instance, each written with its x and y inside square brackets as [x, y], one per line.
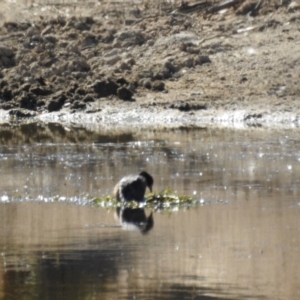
[135, 219]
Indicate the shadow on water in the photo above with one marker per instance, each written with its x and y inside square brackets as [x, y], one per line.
[90, 274]
[243, 243]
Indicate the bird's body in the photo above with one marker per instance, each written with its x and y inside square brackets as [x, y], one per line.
[133, 187]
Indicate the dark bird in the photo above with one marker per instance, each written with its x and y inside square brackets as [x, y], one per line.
[133, 187]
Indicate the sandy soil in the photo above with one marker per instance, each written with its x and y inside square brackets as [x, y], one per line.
[172, 66]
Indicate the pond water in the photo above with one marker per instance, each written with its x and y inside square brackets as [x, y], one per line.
[242, 240]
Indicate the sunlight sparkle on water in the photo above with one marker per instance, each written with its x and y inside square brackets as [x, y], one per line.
[64, 221]
[4, 198]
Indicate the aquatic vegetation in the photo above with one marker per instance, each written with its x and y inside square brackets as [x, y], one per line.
[166, 200]
[163, 200]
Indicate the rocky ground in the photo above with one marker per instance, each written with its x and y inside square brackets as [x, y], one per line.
[181, 64]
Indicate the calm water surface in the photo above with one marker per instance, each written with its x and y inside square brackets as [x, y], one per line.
[243, 242]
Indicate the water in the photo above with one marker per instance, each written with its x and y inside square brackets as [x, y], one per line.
[241, 243]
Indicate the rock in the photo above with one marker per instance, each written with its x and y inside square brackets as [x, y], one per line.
[189, 62]
[11, 26]
[81, 91]
[59, 20]
[70, 35]
[83, 23]
[129, 22]
[95, 62]
[131, 61]
[193, 50]
[107, 37]
[76, 97]
[81, 26]
[121, 81]
[72, 87]
[40, 103]
[57, 101]
[60, 96]
[112, 60]
[113, 52]
[6, 94]
[8, 105]
[182, 106]
[78, 65]
[40, 91]
[247, 7]
[89, 40]
[83, 65]
[293, 6]
[178, 39]
[158, 86]
[88, 34]
[165, 73]
[159, 75]
[5, 61]
[124, 66]
[146, 83]
[36, 38]
[78, 75]
[202, 59]
[73, 48]
[145, 74]
[88, 98]
[105, 88]
[124, 93]
[78, 105]
[48, 61]
[50, 39]
[185, 106]
[129, 38]
[22, 113]
[34, 67]
[23, 88]
[5, 51]
[3, 83]
[27, 100]
[171, 67]
[41, 80]
[150, 43]
[54, 105]
[32, 31]
[131, 86]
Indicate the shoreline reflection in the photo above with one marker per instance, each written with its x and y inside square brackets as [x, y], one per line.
[244, 244]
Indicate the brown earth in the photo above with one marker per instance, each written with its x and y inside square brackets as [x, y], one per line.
[172, 66]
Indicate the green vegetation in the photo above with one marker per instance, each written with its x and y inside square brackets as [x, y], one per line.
[162, 200]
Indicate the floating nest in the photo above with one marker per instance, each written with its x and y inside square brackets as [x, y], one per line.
[162, 200]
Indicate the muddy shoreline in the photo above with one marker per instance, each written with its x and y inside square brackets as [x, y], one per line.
[150, 69]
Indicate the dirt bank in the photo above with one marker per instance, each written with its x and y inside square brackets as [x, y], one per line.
[172, 66]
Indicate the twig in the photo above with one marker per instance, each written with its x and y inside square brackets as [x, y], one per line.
[223, 5]
[214, 36]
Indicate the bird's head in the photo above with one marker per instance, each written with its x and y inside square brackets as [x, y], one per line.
[148, 178]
